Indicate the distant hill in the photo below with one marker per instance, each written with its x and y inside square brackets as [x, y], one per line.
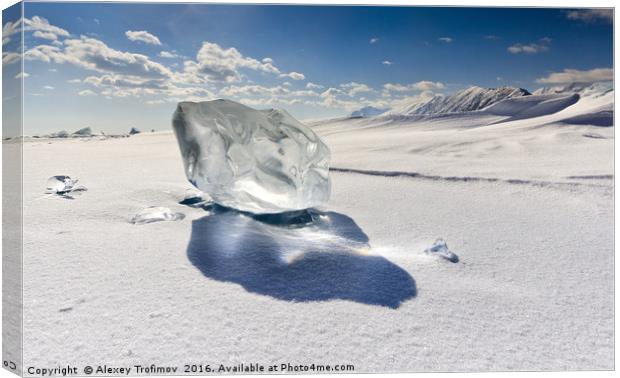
[368, 111]
[470, 99]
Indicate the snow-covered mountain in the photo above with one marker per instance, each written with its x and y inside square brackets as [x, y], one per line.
[472, 98]
[368, 111]
[583, 89]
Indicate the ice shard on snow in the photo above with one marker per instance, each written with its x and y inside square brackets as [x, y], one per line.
[440, 248]
[156, 214]
[252, 160]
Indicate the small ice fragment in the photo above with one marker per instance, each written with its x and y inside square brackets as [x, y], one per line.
[60, 184]
[156, 214]
[440, 248]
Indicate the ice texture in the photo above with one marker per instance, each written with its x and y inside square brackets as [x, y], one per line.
[440, 248]
[255, 161]
[61, 185]
[156, 214]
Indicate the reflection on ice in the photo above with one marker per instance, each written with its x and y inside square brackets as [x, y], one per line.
[156, 214]
[300, 256]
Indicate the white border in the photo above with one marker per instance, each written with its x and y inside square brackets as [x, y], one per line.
[477, 3]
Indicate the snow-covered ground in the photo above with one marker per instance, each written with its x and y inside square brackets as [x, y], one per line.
[525, 202]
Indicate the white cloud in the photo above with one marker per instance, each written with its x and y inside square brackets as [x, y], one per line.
[119, 81]
[117, 73]
[354, 88]
[531, 48]
[45, 29]
[92, 54]
[308, 93]
[254, 90]
[577, 76]
[374, 40]
[592, 15]
[142, 36]
[545, 40]
[10, 58]
[168, 54]
[491, 37]
[22, 75]
[445, 39]
[87, 92]
[9, 29]
[49, 87]
[294, 75]
[214, 63]
[424, 85]
[45, 35]
[387, 63]
[311, 85]
[331, 92]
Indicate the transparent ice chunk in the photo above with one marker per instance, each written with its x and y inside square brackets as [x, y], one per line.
[255, 161]
[62, 185]
[156, 214]
[440, 249]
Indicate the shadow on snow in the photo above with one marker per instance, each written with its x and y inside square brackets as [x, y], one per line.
[303, 256]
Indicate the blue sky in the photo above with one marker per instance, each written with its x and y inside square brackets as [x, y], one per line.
[114, 66]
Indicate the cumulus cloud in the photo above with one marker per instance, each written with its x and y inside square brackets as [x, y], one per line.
[214, 63]
[87, 92]
[48, 87]
[45, 29]
[445, 39]
[10, 58]
[531, 48]
[311, 85]
[294, 75]
[9, 29]
[373, 40]
[168, 54]
[577, 76]
[331, 92]
[117, 73]
[253, 90]
[353, 88]
[592, 15]
[125, 82]
[22, 75]
[142, 36]
[93, 54]
[424, 85]
[45, 35]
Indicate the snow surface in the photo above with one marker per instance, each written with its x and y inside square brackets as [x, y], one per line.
[525, 203]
